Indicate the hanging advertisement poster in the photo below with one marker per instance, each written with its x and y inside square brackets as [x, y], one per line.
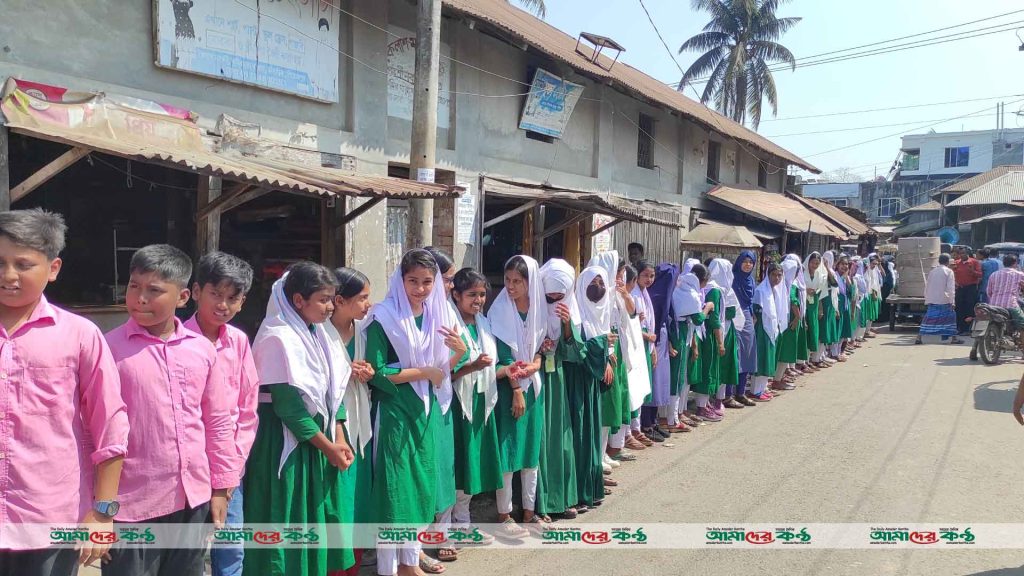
[550, 104]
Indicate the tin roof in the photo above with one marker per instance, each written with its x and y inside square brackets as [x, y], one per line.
[983, 178]
[719, 235]
[1002, 189]
[777, 208]
[930, 206]
[559, 45]
[835, 215]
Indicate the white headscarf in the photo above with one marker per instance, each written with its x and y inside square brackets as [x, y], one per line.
[610, 262]
[782, 309]
[688, 300]
[558, 277]
[817, 284]
[828, 260]
[596, 316]
[286, 350]
[790, 277]
[358, 421]
[485, 380]
[524, 337]
[765, 297]
[418, 347]
[720, 272]
[801, 283]
[859, 279]
[642, 302]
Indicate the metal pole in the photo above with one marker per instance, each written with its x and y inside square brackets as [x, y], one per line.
[423, 144]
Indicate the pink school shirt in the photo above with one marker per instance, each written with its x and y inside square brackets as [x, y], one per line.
[182, 443]
[234, 359]
[61, 413]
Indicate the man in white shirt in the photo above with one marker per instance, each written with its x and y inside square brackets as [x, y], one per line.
[939, 296]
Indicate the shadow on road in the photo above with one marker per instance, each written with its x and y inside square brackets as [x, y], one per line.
[999, 572]
[992, 398]
[964, 361]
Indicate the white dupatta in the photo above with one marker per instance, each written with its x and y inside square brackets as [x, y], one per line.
[828, 261]
[558, 277]
[686, 301]
[357, 394]
[765, 297]
[418, 347]
[524, 337]
[594, 316]
[481, 381]
[287, 350]
[720, 271]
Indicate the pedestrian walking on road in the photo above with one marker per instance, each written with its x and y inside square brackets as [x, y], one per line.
[967, 275]
[939, 296]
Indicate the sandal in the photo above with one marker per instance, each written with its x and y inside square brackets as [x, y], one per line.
[624, 457]
[607, 492]
[610, 482]
[569, 514]
[509, 530]
[447, 554]
[582, 508]
[430, 565]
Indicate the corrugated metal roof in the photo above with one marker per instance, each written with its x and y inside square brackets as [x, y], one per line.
[1009, 187]
[836, 215]
[1000, 215]
[758, 231]
[719, 235]
[917, 227]
[983, 178]
[778, 208]
[831, 190]
[930, 206]
[561, 46]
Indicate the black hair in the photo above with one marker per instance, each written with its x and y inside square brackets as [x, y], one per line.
[418, 258]
[1009, 261]
[772, 267]
[984, 252]
[631, 273]
[622, 264]
[519, 265]
[633, 245]
[700, 272]
[642, 265]
[307, 278]
[350, 282]
[36, 229]
[217, 268]
[944, 258]
[444, 263]
[169, 263]
[466, 279]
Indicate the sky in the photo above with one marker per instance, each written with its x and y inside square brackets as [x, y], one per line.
[984, 67]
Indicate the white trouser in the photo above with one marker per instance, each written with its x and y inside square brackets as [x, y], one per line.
[443, 520]
[618, 440]
[388, 559]
[605, 431]
[634, 424]
[702, 400]
[837, 349]
[528, 483]
[780, 373]
[721, 392]
[460, 512]
[684, 397]
[760, 385]
[671, 414]
[859, 334]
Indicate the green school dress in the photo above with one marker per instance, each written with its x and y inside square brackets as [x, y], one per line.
[308, 491]
[556, 483]
[730, 368]
[685, 368]
[812, 322]
[767, 363]
[615, 412]
[845, 311]
[829, 323]
[787, 342]
[404, 469]
[477, 459]
[519, 441]
[583, 381]
[710, 362]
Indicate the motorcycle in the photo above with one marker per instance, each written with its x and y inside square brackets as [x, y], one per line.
[994, 333]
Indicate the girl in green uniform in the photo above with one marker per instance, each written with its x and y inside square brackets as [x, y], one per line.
[477, 461]
[584, 380]
[732, 320]
[829, 330]
[711, 348]
[351, 304]
[846, 293]
[519, 320]
[556, 486]
[690, 312]
[767, 325]
[406, 346]
[817, 283]
[860, 320]
[790, 337]
[300, 447]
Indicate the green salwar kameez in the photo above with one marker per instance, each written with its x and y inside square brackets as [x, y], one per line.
[519, 440]
[556, 482]
[404, 470]
[477, 459]
[308, 491]
[845, 311]
[767, 356]
[730, 368]
[615, 400]
[830, 322]
[710, 362]
[812, 322]
[787, 342]
[583, 381]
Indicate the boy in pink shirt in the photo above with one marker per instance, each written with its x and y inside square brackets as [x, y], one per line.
[182, 459]
[219, 290]
[63, 426]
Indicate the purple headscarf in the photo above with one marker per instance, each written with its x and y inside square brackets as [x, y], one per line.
[661, 294]
[743, 283]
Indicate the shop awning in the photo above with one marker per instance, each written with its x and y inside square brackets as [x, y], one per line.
[706, 236]
[758, 231]
[1000, 215]
[775, 208]
[835, 215]
[99, 124]
[581, 201]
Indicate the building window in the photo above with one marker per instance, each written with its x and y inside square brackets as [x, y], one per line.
[912, 159]
[888, 207]
[539, 137]
[840, 202]
[645, 142]
[714, 159]
[958, 157]
[762, 174]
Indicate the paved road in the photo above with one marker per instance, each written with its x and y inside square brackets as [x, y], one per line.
[902, 433]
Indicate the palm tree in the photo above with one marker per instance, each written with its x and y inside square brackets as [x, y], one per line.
[738, 45]
[535, 6]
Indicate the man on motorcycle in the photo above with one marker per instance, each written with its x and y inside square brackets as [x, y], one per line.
[1004, 288]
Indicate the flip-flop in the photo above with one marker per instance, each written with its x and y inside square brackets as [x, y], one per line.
[430, 565]
[447, 554]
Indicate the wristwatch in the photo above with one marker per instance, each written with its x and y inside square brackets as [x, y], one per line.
[108, 508]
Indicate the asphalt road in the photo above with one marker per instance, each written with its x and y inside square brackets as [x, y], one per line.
[900, 434]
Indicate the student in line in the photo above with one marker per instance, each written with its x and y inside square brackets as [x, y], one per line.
[743, 285]
[221, 284]
[789, 339]
[182, 459]
[293, 474]
[768, 326]
[691, 312]
[816, 280]
[661, 300]
[67, 427]
[644, 305]
[830, 320]
[733, 322]
[711, 349]
[846, 292]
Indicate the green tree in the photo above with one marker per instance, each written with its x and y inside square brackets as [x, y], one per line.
[535, 6]
[738, 45]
